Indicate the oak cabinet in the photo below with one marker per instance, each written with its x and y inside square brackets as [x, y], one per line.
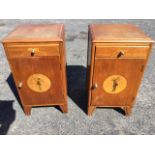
[117, 57]
[36, 54]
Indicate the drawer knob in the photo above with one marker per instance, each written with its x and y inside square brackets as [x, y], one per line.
[120, 54]
[94, 86]
[32, 52]
[20, 85]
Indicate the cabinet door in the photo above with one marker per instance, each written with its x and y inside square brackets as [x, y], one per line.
[116, 81]
[38, 80]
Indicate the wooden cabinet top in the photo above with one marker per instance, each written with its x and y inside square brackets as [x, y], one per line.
[36, 33]
[117, 33]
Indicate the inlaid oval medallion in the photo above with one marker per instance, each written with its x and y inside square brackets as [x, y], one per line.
[39, 83]
[114, 84]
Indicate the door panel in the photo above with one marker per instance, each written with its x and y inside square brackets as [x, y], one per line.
[40, 80]
[116, 81]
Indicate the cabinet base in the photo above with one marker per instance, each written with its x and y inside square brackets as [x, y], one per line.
[64, 108]
[127, 110]
[27, 109]
[91, 109]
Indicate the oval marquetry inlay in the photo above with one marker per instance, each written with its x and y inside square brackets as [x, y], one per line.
[39, 83]
[114, 84]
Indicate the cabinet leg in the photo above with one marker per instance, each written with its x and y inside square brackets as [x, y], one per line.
[91, 110]
[64, 108]
[128, 110]
[27, 110]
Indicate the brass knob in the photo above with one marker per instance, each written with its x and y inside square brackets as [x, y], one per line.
[32, 52]
[20, 85]
[95, 86]
[120, 54]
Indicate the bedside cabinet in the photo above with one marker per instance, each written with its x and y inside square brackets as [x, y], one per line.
[36, 54]
[117, 57]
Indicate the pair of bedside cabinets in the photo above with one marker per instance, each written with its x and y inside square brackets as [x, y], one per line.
[117, 56]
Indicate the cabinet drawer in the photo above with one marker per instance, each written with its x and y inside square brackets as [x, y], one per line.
[123, 52]
[14, 51]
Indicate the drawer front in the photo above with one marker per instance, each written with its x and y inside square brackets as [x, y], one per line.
[33, 50]
[122, 52]
[38, 80]
[115, 82]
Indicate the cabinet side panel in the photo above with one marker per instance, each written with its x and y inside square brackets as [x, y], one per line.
[63, 63]
[143, 71]
[90, 64]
